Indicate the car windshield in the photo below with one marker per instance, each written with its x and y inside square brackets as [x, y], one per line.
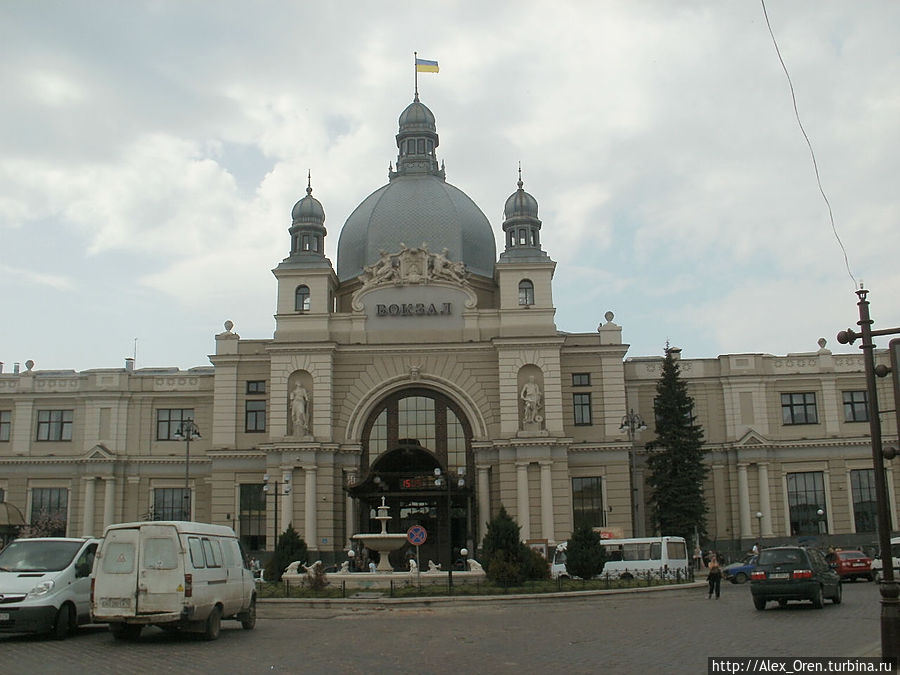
[851, 555]
[780, 557]
[38, 555]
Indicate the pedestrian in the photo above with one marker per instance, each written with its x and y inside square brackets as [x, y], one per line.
[755, 549]
[715, 575]
[698, 557]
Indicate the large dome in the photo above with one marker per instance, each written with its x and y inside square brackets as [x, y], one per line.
[416, 207]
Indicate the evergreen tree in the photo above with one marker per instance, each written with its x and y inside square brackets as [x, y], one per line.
[506, 559]
[675, 463]
[585, 555]
[290, 548]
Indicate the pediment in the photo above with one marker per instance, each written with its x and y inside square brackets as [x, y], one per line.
[99, 452]
[751, 438]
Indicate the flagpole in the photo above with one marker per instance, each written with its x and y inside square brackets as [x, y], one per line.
[416, 71]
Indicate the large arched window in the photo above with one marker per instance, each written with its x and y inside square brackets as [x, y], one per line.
[423, 417]
[526, 292]
[301, 299]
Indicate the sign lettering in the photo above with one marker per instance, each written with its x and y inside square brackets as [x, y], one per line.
[414, 309]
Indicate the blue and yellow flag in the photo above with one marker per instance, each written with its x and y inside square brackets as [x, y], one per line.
[425, 66]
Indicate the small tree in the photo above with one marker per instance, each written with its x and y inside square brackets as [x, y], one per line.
[507, 559]
[290, 548]
[585, 555]
[676, 468]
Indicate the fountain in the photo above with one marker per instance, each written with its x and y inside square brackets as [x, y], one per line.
[383, 541]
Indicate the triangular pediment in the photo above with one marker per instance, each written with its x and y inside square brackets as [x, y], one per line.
[100, 452]
[752, 438]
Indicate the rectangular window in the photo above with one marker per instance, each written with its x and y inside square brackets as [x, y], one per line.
[49, 511]
[171, 504]
[865, 508]
[211, 553]
[253, 516]
[160, 554]
[856, 406]
[5, 424]
[799, 408]
[255, 416]
[197, 559]
[582, 404]
[581, 379]
[806, 498]
[256, 386]
[587, 501]
[169, 421]
[54, 425]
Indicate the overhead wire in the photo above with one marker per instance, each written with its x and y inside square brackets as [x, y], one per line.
[809, 145]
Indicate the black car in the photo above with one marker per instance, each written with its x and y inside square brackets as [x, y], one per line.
[793, 573]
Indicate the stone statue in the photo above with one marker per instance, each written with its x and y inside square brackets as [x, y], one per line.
[531, 396]
[294, 567]
[475, 566]
[433, 566]
[300, 410]
[413, 566]
[345, 567]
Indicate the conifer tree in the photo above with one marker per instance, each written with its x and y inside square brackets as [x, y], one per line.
[290, 548]
[585, 555]
[675, 461]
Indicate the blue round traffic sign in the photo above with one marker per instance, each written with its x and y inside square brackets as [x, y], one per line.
[416, 535]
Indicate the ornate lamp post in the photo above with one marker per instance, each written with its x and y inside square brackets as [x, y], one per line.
[759, 517]
[633, 423]
[442, 481]
[187, 431]
[271, 490]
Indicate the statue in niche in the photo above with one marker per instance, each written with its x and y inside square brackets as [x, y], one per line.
[300, 410]
[531, 399]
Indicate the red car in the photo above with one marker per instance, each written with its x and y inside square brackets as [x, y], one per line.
[851, 565]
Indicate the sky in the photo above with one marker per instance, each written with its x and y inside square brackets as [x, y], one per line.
[151, 153]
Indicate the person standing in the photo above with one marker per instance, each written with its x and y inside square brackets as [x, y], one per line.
[715, 575]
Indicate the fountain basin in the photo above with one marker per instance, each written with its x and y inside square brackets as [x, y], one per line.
[384, 543]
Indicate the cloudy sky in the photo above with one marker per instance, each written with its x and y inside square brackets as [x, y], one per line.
[151, 152]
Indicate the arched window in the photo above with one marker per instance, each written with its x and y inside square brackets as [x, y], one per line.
[301, 299]
[526, 292]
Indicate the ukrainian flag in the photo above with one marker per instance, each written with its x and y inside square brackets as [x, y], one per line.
[424, 66]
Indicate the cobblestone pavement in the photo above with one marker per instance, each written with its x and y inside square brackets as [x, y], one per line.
[667, 631]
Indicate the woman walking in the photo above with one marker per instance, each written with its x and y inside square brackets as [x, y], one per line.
[715, 575]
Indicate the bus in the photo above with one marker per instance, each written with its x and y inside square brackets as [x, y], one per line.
[664, 557]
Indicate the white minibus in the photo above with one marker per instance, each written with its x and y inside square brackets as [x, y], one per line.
[663, 557]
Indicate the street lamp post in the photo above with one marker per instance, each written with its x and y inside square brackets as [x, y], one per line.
[759, 517]
[446, 481]
[889, 588]
[271, 489]
[633, 423]
[187, 431]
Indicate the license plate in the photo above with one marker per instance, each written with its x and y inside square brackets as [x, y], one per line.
[4, 616]
[780, 575]
[859, 564]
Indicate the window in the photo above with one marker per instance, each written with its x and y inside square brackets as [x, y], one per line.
[305, 242]
[526, 292]
[856, 406]
[416, 419]
[255, 416]
[522, 237]
[253, 516]
[54, 425]
[587, 501]
[2, 495]
[256, 386]
[301, 299]
[159, 554]
[582, 404]
[5, 424]
[197, 559]
[865, 510]
[171, 504]
[169, 421]
[799, 408]
[581, 379]
[806, 497]
[49, 511]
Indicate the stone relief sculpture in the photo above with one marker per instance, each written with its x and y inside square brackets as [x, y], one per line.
[531, 399]
[412, 266]
[300, 410]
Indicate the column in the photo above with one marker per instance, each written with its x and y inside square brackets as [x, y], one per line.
[350, 508]
[312, 537]
[744, 502]
[523, 514]
[484, 499]
[109, 501]
[87, 521]
[547, 500]
[765, 500]
[286, 500]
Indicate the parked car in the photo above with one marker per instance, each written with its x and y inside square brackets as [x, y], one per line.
[851, 565]
[788, 573]
[877, 563]
[739, 572]
[45, 585]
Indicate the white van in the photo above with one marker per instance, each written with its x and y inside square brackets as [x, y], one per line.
[662, 557]
[45, 585]
[878, 563]
[173, 574]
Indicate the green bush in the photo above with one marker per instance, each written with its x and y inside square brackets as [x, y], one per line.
[585, 555]
[290, 547]
[506, 559]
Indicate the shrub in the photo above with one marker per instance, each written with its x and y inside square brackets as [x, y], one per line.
[585, 555]
[290, 547]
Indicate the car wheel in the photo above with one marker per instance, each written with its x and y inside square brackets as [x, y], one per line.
[125, 631]
[759, 603]
[870, 577]
[740, 578]
[837, 597]
[213, 624]
[248, 618]
[782, 603]
[64, 622]
[817, 599]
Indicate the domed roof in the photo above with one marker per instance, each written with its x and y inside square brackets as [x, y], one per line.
[416, 209]
[308, 210]
[417, 206]
[520, 204]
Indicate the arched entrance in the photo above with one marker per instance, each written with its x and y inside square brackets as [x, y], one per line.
[407, 437]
